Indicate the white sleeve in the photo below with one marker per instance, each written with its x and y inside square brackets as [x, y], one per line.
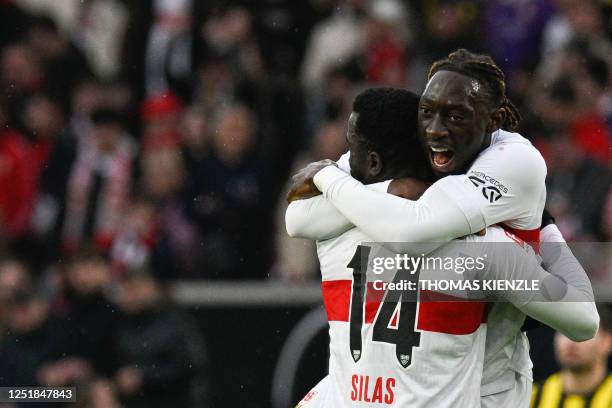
[453, 206]
[318, 219]
[507, 184]
[398, 222]
[561, 301]
[343, 162]
[558, 259]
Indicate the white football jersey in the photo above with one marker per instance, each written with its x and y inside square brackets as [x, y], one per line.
[505, 184]
[393, 353]
[417, 354]
[507, 347]
[509, 177]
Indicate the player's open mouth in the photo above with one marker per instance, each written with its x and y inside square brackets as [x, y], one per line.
[441, 156]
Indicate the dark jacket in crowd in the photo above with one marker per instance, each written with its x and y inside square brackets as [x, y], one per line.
[168, 350]
[22, 354]
[88, 323]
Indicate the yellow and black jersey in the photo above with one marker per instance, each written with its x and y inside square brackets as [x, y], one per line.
[551, 395]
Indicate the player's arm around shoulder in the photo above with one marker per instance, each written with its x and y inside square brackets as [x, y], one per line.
[559, 297]
[314, 218]
[308, 214]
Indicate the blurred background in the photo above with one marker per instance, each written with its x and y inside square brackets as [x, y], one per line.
[146, 148]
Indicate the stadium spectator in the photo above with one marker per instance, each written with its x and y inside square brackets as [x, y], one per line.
[44, 122]
[332, 42]
[97, 27]
[99, 183]
[136, 237]
[230, 202]
[168, 48]
[21, 76]
[584, 379]
[195, 136]
[85, 312]
[446, 26]
[590, 130]
[30, 341]
[228, 39]
[170, 237]
[168, 371]
[16, 181]
[582, 21]
[160, 116]
[572, 175]
[296, 258]
[385, 53]
[14, 278]
[63, 63]
[49, 209]
[579, 85]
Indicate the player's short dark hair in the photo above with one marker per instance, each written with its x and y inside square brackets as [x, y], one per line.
[482, 68]
[387, 124]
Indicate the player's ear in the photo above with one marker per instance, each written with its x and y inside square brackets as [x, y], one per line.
[496, 120]
[374, 163]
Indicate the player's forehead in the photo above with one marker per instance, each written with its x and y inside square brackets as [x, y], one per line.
[451, 87]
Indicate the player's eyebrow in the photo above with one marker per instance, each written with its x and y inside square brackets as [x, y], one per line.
[461, 107]
[450, 106]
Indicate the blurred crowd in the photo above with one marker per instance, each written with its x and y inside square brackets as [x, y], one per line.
[142, 142]
[123, 344]
[164, 135]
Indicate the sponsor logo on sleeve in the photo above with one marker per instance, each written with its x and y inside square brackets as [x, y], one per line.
[492, 190]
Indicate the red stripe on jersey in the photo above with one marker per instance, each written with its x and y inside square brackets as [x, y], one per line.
[452, 317]
[532, 237]
[337, 299]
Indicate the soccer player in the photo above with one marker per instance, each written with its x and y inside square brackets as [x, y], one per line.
[392, 351]
[489, 175]
[584, 380]
[465, 125]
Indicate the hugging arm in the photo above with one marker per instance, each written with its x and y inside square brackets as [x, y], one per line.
[498, 188]
[565, 298]
[317, 218]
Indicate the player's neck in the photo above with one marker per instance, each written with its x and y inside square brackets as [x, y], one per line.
[487, 140]
[583, 381]
[396, 174]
